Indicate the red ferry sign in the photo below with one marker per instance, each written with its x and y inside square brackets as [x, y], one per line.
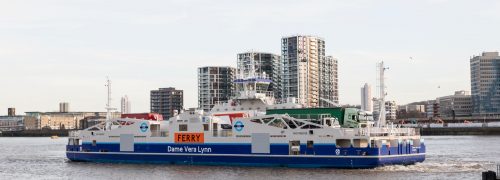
[189, 138]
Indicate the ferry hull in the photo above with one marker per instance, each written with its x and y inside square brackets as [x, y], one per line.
[309, 161]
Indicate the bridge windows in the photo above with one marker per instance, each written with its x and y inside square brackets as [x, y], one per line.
[290, 123]
[183, 127]
[267, 120]
[310, 126]
[256, 121]
[278, 123]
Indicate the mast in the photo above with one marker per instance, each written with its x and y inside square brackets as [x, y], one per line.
[381, 100]
[108, 105]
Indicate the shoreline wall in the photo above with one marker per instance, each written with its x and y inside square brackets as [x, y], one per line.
[35, 133]
[459, 131]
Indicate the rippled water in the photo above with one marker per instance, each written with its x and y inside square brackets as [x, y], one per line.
[449, 157]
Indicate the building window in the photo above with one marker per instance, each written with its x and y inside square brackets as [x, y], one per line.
[205, 127]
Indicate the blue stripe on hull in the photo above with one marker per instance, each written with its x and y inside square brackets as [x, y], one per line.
[275, 149]
[283, 161]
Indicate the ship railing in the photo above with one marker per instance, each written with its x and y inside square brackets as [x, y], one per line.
[387, 131]
[73, 133]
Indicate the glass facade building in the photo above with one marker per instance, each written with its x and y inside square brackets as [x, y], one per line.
[485, 84]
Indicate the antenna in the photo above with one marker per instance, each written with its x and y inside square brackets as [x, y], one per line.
[108, 105]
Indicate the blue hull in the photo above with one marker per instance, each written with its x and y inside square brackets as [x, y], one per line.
[310, 161]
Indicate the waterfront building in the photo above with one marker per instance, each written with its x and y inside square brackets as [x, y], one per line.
[266, 64]
[167, 101]
[485, 84]
[63, 107]
[306, 70]
[60, 120]
[390, 109]
[366, 98]
[215, 85]
[413, 108]
[11, 122]
[90, 121]
[457, 105]
[125, 107]
[432, 109]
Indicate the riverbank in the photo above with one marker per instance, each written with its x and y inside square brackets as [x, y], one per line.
[35, 133]
[460, 131]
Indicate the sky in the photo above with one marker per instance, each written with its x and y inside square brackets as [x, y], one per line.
[55, 51]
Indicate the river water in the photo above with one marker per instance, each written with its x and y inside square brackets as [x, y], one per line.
[448, 157]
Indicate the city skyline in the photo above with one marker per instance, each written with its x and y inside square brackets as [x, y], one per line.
[63, 53]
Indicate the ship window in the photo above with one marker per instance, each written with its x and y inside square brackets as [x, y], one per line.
[278, 123]
[343, 143]
[205, 127]
[310, 144]
[310, 126]
[256, 121]
[267, 120]
[226, 126]
[299, 123]
[183, 127]
[290, 123]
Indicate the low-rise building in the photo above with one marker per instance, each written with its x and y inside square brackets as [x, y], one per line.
[390, 109]
[457, 105]
[61, 120]
[432, 109]
[11, 123]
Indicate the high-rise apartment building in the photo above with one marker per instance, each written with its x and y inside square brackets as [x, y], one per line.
[306, 71]
[266, 64]
[215, 85]
[485, 84]
[167, 100]
[328, 82]
[366, 98]
[11, 111]
[64, 107]
[125, 106]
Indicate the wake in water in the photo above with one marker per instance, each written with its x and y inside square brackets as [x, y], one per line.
[440, 167]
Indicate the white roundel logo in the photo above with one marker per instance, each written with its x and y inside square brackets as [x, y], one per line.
[337, 151]
[143, 127]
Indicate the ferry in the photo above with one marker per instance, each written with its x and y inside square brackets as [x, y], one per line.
[239, 133]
